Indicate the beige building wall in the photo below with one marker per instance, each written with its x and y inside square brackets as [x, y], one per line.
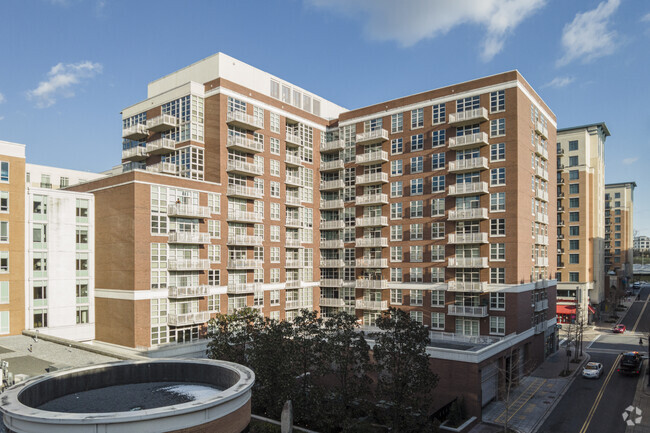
[619, 232]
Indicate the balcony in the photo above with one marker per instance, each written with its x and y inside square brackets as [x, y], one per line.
[293, 264]
[560, 166]
[468, 188]
[372, 178]
[161, 146]
[163, 167]
[560, 265]
[541, 172]
[479, 139]
[560, 209]
[541, 218]
[293, 160]
[560, 251]
[560, 151]
[334, 243]
[364, 283]
[137, 153]
[292, 200]
[244, 168]
[164, 122]
[468, 238]
[174, 319]
[243, 120]
[541, 129]
[380, 221]
[541, 151]
[541, 194]
[243, 144]
[243, 288]
[540, 327]
[188, 264]
[541, 305]
[292, 222]
[468, 262]
[371, 242]
[332, 184]
[560, 181]
[188, 238]
[480, 213]
[242, 191]
[372, 263]
[560, 223]
[461, 165]
[135, 132]
[331, 282]
[332, 302]
[541, 261]
[332, 146]
[374, 157]
[372, 137]
[468, 117]
[466, 310]
[541, 239]
[293, 139]
[238, 216]
[362, 304]
[188, 211]
[244, 263]
[245, 240]
[332, 225]
[293, 305]
[293, 243]
[467, 286]
[337, 164]
[175, 292]
[371, 199]
[560, 236]
[332, 263]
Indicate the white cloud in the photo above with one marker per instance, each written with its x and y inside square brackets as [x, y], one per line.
[2, 98]
[61, 81]
[646, 18]
[410, 21]
[559, 82]
[587, 37]
[2, 118]
[629, 161]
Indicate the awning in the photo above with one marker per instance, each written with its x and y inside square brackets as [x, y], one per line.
[565, 309]
[592, 309]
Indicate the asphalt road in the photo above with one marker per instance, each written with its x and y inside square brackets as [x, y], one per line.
[596, 405]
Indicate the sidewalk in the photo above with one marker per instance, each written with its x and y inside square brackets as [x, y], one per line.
[642, 401]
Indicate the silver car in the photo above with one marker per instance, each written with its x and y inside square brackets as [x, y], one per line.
[593, 370]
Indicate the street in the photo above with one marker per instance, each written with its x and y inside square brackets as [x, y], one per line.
[596, 405]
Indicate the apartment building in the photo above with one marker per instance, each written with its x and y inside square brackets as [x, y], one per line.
[619, 209]
[42, 176]
[241, 189]
[580, 221]
[642, 244]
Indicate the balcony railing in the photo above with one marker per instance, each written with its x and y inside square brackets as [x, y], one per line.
[380, 221]
[293, 222]
[467, 117]
[292, 305]
[293, 139]
[371, 137]
[467, 286]
[331, 282]
[163, 167]
[188, 291]
[137, 153]
[135, 132]
[364, 283]
[541, 240]
[362, 304]
[243, 120]
[468, 188]
[541, 129]
[540, 327]
[174, 319]
[332, 184]
[372, 263]
[188, 264]
[161, 146]
[560, 209]
[468, 262]
[332, 263]
[336, 243]
[292, 200]
[244, 263]
[541, 305]
[188, 211]
[244, 144]
[293, 180]
[541, 172]
[293, 160]
[293, 243]
[371, 242]
[478, 139]
[331, 204]
[468, 238]
[243, 288]
[334, 145]
[332, 225]
[541, 218]
[245, 168]
[468, 164]
[244, 191]
[332, 165]
[541, 194]
[374, 157]
[189, 238]
[164, 122]
[332, 302]
[372, 178]
[541, 151]
[293, 263]
[465, 310]
[468, 214]
[371, 199]
[245, 216]
[541, 261]
[245, 240]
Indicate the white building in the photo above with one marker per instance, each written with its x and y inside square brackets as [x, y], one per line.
[642, 243]
[42, 176]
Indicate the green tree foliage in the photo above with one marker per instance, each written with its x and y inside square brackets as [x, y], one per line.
[229, 335]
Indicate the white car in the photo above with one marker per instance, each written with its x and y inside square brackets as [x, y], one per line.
[593, 370]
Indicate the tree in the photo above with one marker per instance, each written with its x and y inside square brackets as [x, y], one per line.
[404, 379]
[230, 335]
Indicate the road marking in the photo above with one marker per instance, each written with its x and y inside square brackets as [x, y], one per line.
[593, 341]
[585, 426]
[645, 304]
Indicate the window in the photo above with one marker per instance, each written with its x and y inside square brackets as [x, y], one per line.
[82, 238]
[4, 171]
[574, 244]
[438, 207]
[417, 316]
[497, 301]
[417, 186]
[417, 118]
[214, 202]
[396, 123]
[275, 123]
[437, 161]
[4, 231]
[4, 201]
[395, 233]
[574, 175]
[497, 127]
[417, 142]
[396, 146]
[82, 265]
[437, 320]
[497, 275]
[574, 277]
[396, 275]
[275, 255]
[497, 202]
[497, 325]
[214, 228]
[416, 232]
[275, 167]
[4, 292]
[415, 253]
[574, 202]
[396, 254]
[4, 322]
[275, 233]
[416, 208]
[415, 275]
[574, 217]
[498, 152]
[438, 113]
[498, 176]
[573, 161]
[438, 138]
[81, 210]
[396, 167]
[395, 211]
[437, 298]
[40, 318]
[82, 315]
[437, 253]
[396, 189]
[497, 251]
[396, 296]
[275, 211]
[497, 101]
[214, 277]
[82, 291]
[275, 275]
[573, 145]
[64, 182]
[438, 276]
[467, 104]
[438, 230]
[498, 227]
[574, 230]
[415, 296]
[438, 184]
[574, 258]
[275, 145]
[417, 164]
[275, 189]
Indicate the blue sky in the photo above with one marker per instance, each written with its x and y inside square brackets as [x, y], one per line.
[68, 67]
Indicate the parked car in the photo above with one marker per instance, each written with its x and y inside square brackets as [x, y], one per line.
[593, 370]
[630, 363]
[637, 285]
[619, 329]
